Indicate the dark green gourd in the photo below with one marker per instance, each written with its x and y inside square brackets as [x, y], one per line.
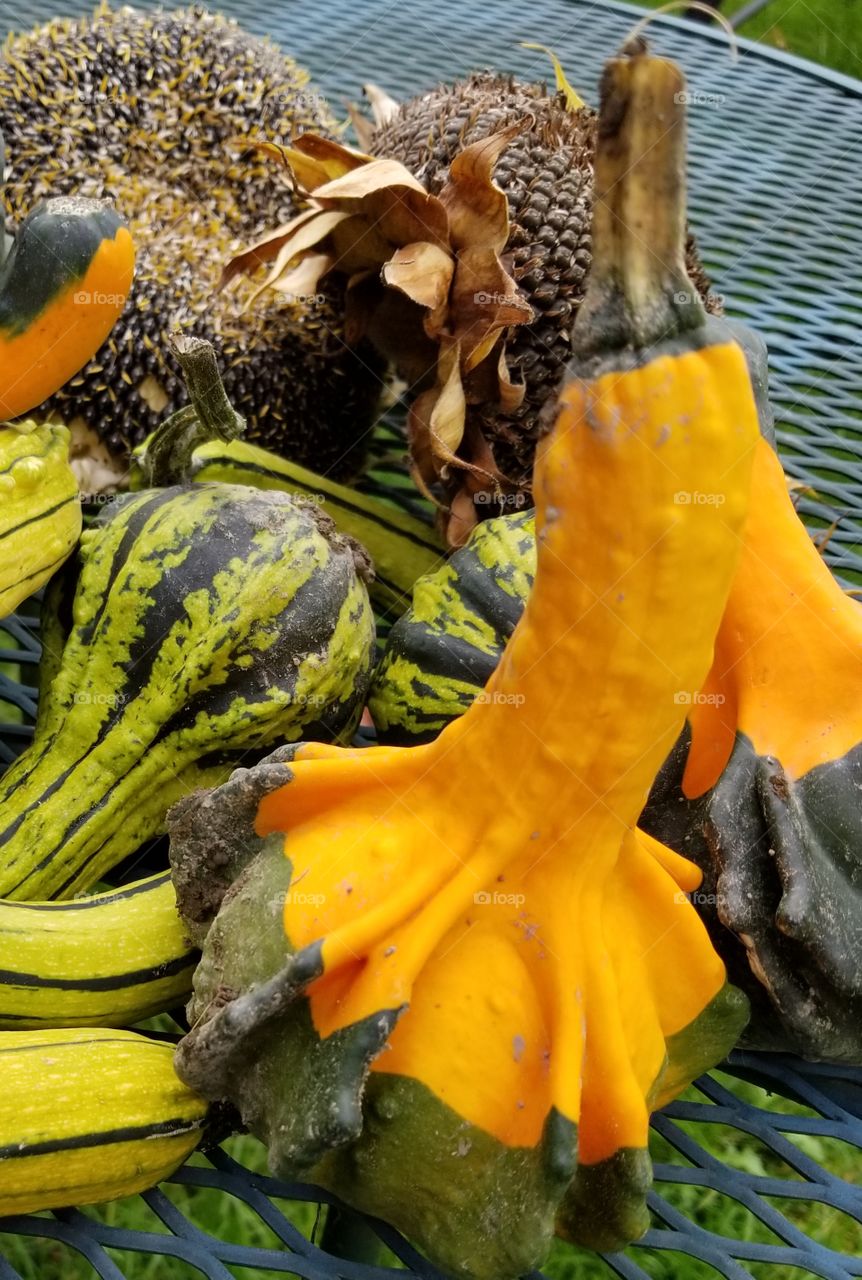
[208, 623]
[442, 651]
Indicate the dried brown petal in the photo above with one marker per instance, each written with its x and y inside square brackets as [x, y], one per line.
[311, 160]
[300, 239]
[510, 395]
[358, 244]
[423, 466]
[406, 216]
[395, 327]
[446, 420]
[360, 299]
[374, 176]
[478, 209]
[334, 156]
[424, 272]
[362, 126]
[462, 519]
[484, 301]
[303, 280]
[263, 250]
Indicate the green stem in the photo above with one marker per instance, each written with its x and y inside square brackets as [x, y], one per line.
[209, 416]
[639, 292]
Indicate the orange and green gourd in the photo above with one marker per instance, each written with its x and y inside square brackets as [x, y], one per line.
[62, 288]
[763, 790]
[472, 977]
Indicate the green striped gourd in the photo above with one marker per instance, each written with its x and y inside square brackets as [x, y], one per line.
[40, 515]
[209, 623]
[109, 960]
[442, 651]
[402, 547]
[203, 442]
[88, 1116]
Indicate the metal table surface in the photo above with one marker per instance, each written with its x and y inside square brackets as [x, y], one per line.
[776, 202]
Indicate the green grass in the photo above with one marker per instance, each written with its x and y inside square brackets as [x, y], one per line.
[229, 1219]
[824, 31]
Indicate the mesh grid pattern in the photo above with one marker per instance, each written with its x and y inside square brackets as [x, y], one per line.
[776, 189]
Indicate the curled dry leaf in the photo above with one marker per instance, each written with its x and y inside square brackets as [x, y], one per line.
[424, 272]
[333, 156]
[358, 244]
[510, 395]
[485, 301]
[301, 235]
[263, 250]
[376, 175]
[305, 276]
[462, 518]
[426, 284]
[477, 208]
[446, 421]
[362, 126]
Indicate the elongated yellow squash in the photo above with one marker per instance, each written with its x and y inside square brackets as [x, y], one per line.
[89, 1116]
[108, 960]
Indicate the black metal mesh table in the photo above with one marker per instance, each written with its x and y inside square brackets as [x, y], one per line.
[776, 201]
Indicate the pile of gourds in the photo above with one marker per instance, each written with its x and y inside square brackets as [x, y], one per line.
[450, 976]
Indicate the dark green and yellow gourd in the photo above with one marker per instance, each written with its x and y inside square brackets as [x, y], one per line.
[441, 653]
[208, 623]
[40, 515]
[402, 547]
[109, 960]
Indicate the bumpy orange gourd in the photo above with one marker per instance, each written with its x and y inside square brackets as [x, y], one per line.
[491, 985]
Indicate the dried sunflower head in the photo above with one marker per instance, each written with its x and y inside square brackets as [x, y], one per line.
[139, 108]
[465, 241]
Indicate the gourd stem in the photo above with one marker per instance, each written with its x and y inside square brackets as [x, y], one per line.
[209, 416]
[639, 292]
